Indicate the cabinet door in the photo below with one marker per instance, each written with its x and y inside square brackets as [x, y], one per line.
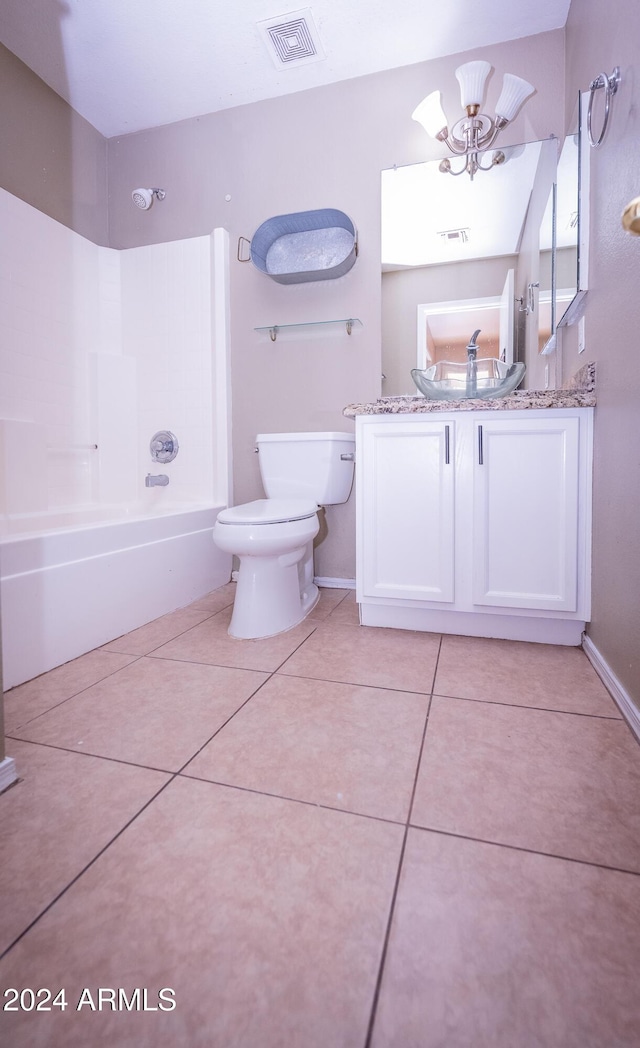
[406, 510]
[526, 506]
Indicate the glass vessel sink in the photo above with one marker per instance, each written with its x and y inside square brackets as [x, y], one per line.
[477, 379]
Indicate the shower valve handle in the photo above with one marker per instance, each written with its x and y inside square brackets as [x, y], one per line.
[164, 446]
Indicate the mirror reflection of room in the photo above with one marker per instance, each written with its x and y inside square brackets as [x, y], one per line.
[567, 221]
[461, 254]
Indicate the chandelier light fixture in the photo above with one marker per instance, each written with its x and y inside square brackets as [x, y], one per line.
[476, 131]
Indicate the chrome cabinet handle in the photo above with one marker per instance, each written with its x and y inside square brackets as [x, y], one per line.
[480, 447]
[447, 446]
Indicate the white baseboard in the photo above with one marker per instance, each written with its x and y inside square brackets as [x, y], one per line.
[8, 773]
[329, 583]
[623, 701]
[325, 583]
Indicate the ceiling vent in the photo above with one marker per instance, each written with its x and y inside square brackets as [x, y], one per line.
[460, 236]
[292, 39]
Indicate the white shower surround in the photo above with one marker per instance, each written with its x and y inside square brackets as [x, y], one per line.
[104, 347]
[99, 350]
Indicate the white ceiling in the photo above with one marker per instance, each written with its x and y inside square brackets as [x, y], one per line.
[127, 65]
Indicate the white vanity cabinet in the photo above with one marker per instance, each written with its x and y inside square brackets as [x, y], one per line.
[476, 522]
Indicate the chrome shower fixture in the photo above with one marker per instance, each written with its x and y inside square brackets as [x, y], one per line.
[143, 198]
[164, 446]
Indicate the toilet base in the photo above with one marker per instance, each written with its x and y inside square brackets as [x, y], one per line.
[273, 594]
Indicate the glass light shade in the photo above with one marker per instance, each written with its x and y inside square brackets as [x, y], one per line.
[472, 76]
[514, 92]
[430, 114]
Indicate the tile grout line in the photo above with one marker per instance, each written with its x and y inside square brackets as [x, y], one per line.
[353, 683]
[292, 800]
[84, 869]
[521, 848]
[500, 844]
[223, 725]
[149, 767]
[271, 673]
[135, 659]
[81, 691]
[385, 944]
[392, 907]
[87, 753]
[225, 666]
[176, 636]
[183, 774]
[134, 655]
[138, 658]
[315, 804]
[173, 776]
[526, 706]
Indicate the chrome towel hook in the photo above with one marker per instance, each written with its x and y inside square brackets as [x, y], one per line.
[610, 85]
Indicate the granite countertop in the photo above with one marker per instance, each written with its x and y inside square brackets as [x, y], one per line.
[580, 392]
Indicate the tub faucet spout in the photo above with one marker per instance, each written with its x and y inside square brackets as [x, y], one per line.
[159, 480]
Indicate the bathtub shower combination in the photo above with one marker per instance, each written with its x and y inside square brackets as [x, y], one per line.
[115, 360]
[79, 583]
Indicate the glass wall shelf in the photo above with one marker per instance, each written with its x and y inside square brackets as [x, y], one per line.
[275, 329]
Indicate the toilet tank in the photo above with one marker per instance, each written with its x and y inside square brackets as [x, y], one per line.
[307, 465]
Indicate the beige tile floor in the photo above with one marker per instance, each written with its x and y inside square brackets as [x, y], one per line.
[337, 837]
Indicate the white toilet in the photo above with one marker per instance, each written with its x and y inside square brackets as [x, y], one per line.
[273, 537]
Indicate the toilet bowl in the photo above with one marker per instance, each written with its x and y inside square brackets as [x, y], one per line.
[273, 537]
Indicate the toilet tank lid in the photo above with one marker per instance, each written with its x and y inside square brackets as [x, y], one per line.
[264, 437]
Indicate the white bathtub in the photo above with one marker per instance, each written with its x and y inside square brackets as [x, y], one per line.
[71, 582]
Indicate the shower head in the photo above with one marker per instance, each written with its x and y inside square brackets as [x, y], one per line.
[143, 198]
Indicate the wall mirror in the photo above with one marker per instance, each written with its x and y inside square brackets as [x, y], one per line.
[547, 294]
[459, 255]
[572, 222]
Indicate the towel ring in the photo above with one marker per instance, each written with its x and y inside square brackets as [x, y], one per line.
[610, 84]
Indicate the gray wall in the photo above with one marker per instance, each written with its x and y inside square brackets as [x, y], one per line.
[51, 157]
[599, 37]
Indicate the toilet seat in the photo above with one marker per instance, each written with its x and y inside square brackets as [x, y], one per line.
[268, 511]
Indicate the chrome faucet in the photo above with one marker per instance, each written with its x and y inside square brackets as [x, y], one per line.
[472, 367]
[472, 348]
[159, 480]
